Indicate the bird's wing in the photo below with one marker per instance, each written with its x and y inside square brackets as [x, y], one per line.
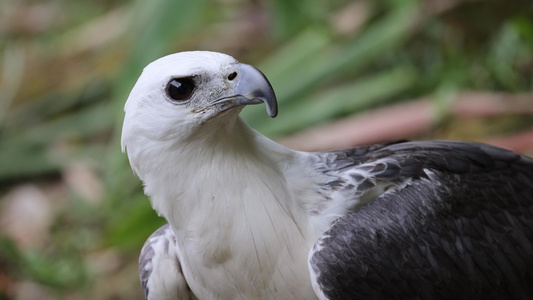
[459, 224]
[160, 269]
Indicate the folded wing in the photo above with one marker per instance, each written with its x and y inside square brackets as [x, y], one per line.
[457, 223]
[160, 269]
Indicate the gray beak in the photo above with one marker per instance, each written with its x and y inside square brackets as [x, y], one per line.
[253, 88]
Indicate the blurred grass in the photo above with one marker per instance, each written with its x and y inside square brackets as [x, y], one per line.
[67, 68]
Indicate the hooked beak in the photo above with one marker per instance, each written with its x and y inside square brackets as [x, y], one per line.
[253, 88]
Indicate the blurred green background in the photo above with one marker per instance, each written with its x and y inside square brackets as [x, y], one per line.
[73, 216]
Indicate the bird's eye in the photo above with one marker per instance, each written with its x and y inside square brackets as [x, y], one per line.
[180, 89]
[232, 76]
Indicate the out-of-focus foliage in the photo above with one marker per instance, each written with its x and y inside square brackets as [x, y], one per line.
[73, 216]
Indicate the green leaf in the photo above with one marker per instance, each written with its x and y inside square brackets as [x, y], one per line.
[342, 100]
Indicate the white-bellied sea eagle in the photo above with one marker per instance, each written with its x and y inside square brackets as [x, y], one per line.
[251, 219]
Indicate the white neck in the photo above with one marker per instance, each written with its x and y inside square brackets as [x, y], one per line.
[234, 227]
[188, 176]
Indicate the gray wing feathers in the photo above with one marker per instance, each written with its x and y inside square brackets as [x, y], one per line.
[160, 269]
[462, 229]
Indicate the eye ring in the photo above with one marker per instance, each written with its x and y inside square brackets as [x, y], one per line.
[180, 89]
[232, 76]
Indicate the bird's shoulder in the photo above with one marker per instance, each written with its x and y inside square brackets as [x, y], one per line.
[369, 171]
[450, 156]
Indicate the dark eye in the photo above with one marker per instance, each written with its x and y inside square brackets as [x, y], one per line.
[180, 89]
[232, 76]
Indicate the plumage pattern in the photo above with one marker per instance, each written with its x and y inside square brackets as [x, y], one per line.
[251, 219]
[160, 269]
[461, 229]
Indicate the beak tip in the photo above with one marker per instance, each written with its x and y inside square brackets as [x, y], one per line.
[272, 112]
[255, 85]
